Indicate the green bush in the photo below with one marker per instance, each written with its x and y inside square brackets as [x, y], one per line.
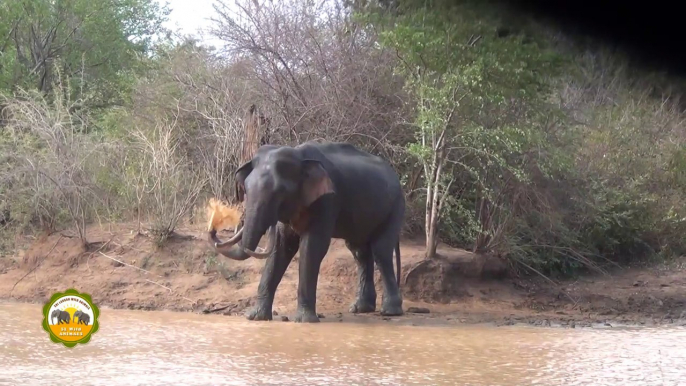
[553, 154]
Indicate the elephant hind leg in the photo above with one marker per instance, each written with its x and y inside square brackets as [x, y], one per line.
[383, 246]
[366, 293]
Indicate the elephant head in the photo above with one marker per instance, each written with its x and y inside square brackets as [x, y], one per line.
[278, 184]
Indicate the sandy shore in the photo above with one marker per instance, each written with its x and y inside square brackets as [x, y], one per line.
[124, 270]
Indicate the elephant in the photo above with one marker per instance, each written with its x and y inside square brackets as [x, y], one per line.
[306, 195]
[62, 316]
[84, 318]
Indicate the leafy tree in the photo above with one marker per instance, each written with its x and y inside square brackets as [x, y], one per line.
[96, 44]
[477, 97]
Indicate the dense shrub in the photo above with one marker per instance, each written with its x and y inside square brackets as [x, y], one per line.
[517, 142]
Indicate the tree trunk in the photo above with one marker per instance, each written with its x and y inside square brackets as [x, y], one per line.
[431, 243]
[432, 212]
[434, 200]
[427, 220]
[255, 134]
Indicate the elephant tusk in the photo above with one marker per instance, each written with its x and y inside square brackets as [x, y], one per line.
[271, 246]
[212, 236]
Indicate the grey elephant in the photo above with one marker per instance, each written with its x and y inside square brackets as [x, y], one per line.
[84, 318]
[62, 316]
[303, 197]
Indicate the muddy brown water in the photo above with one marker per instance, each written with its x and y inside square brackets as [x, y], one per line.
[165, 348]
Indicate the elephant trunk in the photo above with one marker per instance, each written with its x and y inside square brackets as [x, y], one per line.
[228, 248]
[271, 245]
[244, 244]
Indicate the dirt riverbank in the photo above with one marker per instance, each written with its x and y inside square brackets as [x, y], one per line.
[125, 270]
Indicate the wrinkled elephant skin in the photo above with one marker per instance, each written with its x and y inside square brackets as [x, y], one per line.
[307, 195]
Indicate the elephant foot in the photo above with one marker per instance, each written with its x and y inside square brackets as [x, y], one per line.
[259, 313]
[306, 316]
[392, 308]
[362, 307]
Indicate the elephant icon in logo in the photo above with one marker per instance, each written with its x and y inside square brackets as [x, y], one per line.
[84, 318]
[62, 316]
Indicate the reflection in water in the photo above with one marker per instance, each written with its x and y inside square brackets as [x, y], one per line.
[162, 348]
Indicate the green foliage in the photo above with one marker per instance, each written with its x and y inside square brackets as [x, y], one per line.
[97, 45]
[459, 226]
[556, 156]
[480, 102]
[621, 226]
[560, 145]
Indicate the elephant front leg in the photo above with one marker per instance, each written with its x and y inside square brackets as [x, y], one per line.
[313, 247]
[274, 269]
[312, 251]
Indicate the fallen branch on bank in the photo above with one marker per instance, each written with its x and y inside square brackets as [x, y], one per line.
[193, 302]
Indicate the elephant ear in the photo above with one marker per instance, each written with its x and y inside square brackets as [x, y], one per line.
[316, 181]
[241, 174]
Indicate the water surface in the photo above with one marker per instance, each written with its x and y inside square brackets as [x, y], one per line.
[164, 348]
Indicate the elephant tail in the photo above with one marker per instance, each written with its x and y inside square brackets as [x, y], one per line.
[397, 261]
